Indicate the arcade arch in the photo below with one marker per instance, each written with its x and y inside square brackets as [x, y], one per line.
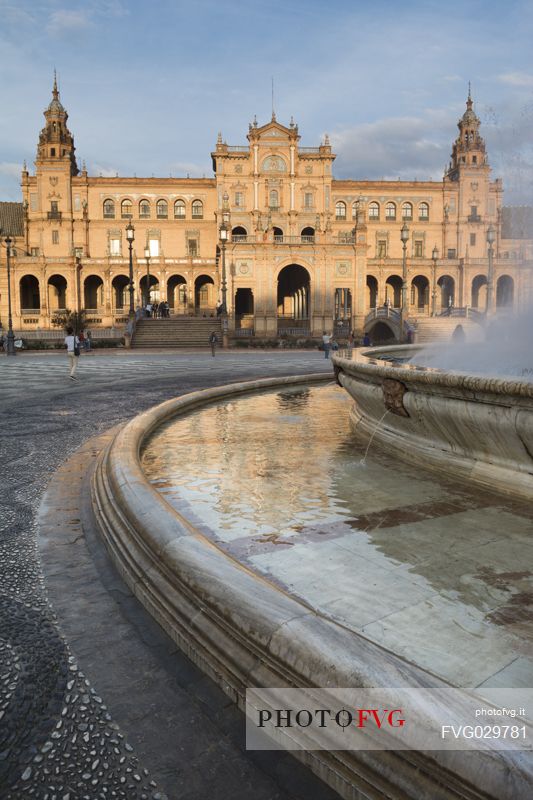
[293, 292]
[30, 296]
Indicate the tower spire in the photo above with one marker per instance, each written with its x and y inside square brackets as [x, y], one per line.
[55, 91]
[469, 101]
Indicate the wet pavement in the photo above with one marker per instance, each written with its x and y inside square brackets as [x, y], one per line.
[435, 571]
[59, 735]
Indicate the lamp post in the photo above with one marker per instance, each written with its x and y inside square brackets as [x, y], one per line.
[491, 238]
[147, 257]
[404, 236]
[434, 256]
[10, 335]
[130, 236]
[224, 235]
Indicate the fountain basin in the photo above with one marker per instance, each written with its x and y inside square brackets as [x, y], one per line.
[471, 426]
[244, 631]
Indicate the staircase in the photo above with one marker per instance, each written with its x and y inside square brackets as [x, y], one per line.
[175, 332]
[440, 329]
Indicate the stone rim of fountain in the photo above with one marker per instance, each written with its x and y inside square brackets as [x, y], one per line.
[201, 596]
[373, 361]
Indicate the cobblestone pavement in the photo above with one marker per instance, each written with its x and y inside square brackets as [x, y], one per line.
[58, 741]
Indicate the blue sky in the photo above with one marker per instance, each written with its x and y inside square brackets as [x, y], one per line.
[148, 85]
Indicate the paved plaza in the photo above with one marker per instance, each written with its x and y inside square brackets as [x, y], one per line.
[79, 719]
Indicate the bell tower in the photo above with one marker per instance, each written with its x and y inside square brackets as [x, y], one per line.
[56, 143]
[469, 147]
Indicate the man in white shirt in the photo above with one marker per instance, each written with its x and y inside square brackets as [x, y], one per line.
[326, 341]
[72, 343]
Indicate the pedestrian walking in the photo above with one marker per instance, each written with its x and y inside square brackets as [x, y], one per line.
[213, 342]
[326, 341]
[72, 343]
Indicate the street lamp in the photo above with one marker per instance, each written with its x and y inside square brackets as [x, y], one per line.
[147, 257]
[491, 238]
[130, 236]
[223, 233]
[404, 236]
[10, 335]
[434, 256]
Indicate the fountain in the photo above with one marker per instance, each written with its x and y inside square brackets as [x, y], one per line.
[246, 628]
[473, 426]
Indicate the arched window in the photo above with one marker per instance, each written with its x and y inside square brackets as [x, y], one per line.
[197, 209]
[340, 210]
[354, 210]
[109, 209]
[390, 211]
[407, 211]
[179, 209]
[423, 211]
[373, 211]
[273, 198]
[126, 209]
[162, 209]
[144, 209]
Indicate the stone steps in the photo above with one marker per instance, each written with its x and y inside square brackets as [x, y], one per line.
[175, 332]
[440, 329]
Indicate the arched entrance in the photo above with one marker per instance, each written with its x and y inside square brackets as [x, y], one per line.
[479, 292]
[30, 297]
[447, 291]
[204, 294]
[420, 292]
[120, 294]
[381, 333]
[93, 292]
[57, 293]
[244, 308]
[177, 295]
[149, 293]
[393, 291]
[371, 292]
[293, 293]
[504, 291]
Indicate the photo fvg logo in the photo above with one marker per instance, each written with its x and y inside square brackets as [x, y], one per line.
[375, 718]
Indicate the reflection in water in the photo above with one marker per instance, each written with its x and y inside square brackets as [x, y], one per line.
[423, 565]
[259, 465]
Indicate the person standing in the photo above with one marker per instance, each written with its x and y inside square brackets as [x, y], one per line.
[326, 341]
[366, 340]
[72, 343]
[213, 342]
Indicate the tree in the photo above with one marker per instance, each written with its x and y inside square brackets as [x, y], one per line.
[67, 318]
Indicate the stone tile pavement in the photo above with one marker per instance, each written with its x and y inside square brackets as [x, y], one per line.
[58, 734]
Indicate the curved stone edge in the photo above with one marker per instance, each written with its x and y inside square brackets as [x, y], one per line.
[484, 436]
[201, 597]
[361, 360]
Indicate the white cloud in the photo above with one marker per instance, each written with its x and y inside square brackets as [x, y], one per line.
[104, 172]
[401, 147]
[516, 79]
[66, 21]
[180, 169]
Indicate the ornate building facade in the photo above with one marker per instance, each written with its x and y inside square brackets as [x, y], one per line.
[306, 252]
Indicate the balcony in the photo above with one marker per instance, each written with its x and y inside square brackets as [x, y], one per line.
[239, 238]
[57, 215]
[294, 239]
[474, 218]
